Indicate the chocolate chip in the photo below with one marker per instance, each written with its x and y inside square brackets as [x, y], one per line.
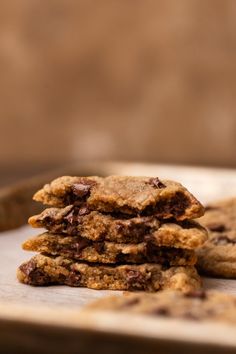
[133, 275]
[209, 208]
[177, 205]
[76, 202]
[40, 278]
[35, 275]
[186, 224]
[81, 190]
[131, 302]
[135, 280]
[120, 227]
[70, 217]
[162, 311]
[216, 227]
[28, 267]
[73, 250]
[71, 230]
[83, 211]
[73, 218]
[154, 253]
[165, 265]
[223, 240]
[131, 229]
[198, 294]
[121, 258]
[48, 221]
[73, 279]
[99, 247]
[81, 243]
[155, 182]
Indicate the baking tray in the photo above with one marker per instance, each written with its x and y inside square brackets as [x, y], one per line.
[48, 319]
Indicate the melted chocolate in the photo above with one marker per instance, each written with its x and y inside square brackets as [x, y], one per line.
[73, 279]
[155, 182]
[75, 248]
[81, 190]
[135, 280]
[198, 294]
[218, 227]
[175, 206]
[161, 311]
[35, 276]
[99, 247]
[28, 267]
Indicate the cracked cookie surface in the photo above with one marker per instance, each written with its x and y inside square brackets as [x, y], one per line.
[123, 194]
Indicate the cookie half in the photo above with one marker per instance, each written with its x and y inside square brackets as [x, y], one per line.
[42, 270]
[97, 226]
[123, 194]
[79, 248]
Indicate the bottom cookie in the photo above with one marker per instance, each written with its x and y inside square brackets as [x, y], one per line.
[42, 270]
[196, 305]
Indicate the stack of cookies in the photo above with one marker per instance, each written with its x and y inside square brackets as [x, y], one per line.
[119, 233]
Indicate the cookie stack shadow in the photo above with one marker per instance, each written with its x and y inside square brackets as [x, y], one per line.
[118, 233]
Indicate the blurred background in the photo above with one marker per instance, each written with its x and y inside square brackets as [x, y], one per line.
[151, 81]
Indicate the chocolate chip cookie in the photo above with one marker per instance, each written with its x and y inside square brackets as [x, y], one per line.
[97, 226]
[43, 270]
[123, 194]
[217, 257]
[80, 248]
[196, 305]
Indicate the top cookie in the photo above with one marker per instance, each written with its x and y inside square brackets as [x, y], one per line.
[123, 194]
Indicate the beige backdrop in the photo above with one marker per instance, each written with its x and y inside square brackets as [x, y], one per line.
[132, 80]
